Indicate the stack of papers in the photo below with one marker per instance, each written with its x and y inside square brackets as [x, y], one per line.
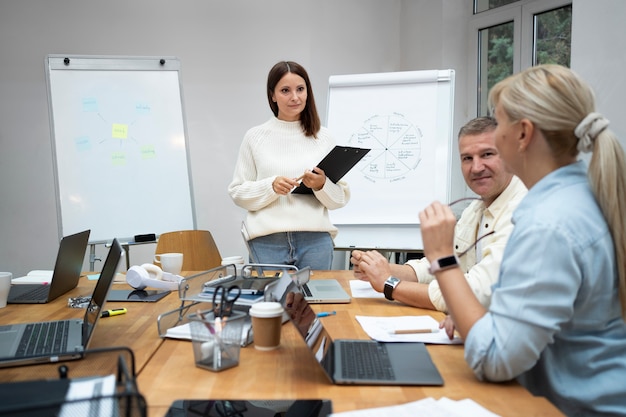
[423, 329]
[444, 407]
[182, 332]
[91, 396]
[34, 277]
[363, 289]
[246, 298]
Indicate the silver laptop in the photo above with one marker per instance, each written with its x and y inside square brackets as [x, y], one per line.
[319, 291]
[64, 278]
[53, 341]
[368, 362]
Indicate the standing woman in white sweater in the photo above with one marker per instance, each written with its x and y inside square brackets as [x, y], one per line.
[287, 228]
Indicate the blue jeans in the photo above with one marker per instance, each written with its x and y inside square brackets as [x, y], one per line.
[302, 249]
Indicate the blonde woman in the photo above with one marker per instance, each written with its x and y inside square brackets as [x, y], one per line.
[556, 319]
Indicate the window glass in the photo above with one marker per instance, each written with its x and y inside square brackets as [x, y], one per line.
[482, 5]
[518, 35]
[553, 37]
[495, 59]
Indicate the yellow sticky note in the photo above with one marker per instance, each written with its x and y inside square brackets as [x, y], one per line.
[119, 131]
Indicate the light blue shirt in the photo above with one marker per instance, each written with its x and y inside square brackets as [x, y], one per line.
[555, 320]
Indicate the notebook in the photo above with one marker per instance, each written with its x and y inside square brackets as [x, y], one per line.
[367, 362]
[319, 291]
[64, 278]
[71, 337]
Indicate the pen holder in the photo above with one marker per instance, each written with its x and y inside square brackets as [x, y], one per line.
[216, 342]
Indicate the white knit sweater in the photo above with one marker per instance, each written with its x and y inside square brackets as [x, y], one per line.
[280, 148]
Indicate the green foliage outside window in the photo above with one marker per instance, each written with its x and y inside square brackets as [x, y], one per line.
[551, 34]
[500, 53]
[554, 37]
[553, 42]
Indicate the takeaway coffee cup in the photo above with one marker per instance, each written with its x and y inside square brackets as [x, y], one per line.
[170, 262]
[267, 320]
[5, 286]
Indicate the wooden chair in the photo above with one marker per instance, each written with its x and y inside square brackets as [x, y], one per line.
[197, 246]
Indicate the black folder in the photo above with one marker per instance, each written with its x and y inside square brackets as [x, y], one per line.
[336, 164]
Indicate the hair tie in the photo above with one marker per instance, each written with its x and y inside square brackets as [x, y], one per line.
[588, 130]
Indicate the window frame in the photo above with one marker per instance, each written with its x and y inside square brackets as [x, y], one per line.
[522, 14]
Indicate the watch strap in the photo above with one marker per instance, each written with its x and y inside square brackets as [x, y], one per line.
[390, 284]
[444, 263]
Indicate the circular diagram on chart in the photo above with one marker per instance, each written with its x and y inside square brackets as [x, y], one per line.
[395, 145]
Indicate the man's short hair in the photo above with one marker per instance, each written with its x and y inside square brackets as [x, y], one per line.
[477, 126]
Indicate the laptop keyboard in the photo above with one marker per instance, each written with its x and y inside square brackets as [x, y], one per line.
[365, 360]
[37, 293]
[42, 338]
[307, 291]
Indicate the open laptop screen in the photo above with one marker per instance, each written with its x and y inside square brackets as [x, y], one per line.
[100, 292]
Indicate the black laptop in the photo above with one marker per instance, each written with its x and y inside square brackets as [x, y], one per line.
[368, 362]
[53, 341]
[65, 277]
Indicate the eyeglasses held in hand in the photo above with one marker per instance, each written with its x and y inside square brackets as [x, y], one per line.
[473, 245]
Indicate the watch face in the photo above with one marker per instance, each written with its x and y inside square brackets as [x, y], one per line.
[449, 261]
[390, 285]
[392, 281]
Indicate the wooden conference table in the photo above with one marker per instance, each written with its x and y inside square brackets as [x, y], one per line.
[166, 369]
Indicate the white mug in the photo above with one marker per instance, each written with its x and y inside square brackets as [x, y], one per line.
[5, 286]
[238, 261]
[170, 262]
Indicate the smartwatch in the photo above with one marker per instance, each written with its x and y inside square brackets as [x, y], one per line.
[444, 263]
[390, 285]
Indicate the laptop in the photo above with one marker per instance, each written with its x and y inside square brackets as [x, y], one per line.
[20, 344]
[368, 362]
[319, 291]
[65, 277]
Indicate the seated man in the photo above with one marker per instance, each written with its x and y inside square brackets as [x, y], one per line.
[489, 217]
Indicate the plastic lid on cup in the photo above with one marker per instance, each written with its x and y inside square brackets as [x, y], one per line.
[266, 309]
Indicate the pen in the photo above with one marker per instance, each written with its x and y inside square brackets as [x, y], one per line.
[114, 312]
[326, 313]
[414, 331]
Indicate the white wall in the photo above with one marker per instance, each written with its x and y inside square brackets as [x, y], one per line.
[226, 49]
[598, 45]
[434, 36]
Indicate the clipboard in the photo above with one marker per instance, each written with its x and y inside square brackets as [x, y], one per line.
[336, 164]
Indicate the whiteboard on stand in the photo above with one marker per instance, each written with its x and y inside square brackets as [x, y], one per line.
[120, 148]
[406, 119]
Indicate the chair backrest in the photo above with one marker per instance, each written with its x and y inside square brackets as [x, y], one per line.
[199, 250]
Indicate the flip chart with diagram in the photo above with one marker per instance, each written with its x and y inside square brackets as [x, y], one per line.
[406, 119]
